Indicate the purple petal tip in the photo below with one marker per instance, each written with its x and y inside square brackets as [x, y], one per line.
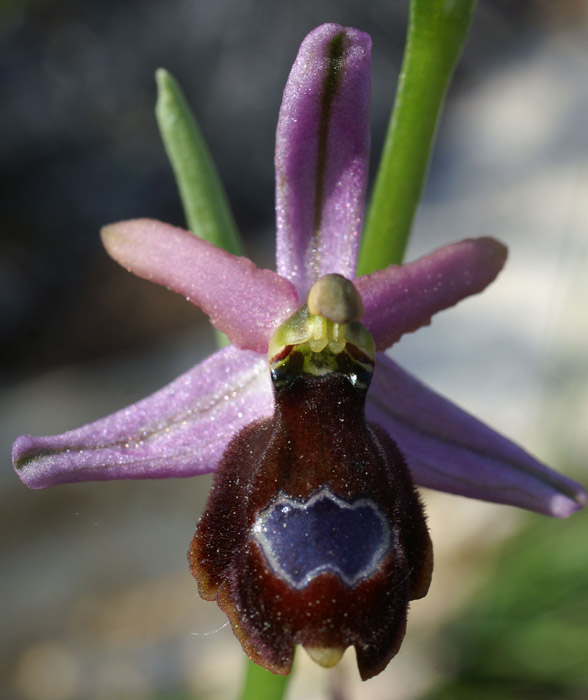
[562, 506]
[23, 446]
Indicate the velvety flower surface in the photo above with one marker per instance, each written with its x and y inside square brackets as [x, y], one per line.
[321, 171]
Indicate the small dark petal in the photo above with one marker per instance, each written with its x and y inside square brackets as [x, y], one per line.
[320, 472]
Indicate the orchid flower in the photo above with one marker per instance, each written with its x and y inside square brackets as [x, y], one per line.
[214, 413]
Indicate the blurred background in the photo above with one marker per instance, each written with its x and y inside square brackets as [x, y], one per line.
[96, 601]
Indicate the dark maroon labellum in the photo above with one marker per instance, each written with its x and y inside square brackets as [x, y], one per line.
[313, 533]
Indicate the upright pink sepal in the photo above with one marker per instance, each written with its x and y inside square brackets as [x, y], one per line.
[449, 450]
[243, 301]
[402, 298]
[322, 152]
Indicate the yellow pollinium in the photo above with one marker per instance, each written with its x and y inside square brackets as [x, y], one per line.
[328, 321]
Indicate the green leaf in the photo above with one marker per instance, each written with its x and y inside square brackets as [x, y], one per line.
[522, 636]
[205, 203]
[437, 30]
[263, 685]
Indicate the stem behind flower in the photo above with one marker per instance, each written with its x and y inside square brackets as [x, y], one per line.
[436, 33]
[263, 685]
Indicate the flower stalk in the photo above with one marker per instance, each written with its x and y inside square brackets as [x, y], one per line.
[437, 30]
[260, 684]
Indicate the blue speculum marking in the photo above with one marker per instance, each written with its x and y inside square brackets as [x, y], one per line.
[301, 540]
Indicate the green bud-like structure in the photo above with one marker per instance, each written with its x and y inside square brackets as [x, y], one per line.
[313, 533]
[314, 346]
[311, 344]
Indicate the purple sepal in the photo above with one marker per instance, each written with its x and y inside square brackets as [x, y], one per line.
[243, 301]
[402, 298]
[322, 152]
[181, 430]
[449, 450]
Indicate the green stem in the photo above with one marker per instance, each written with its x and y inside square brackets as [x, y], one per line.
[263, 685]
[437, 30]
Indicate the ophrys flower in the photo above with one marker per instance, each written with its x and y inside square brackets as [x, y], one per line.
[187, 427]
